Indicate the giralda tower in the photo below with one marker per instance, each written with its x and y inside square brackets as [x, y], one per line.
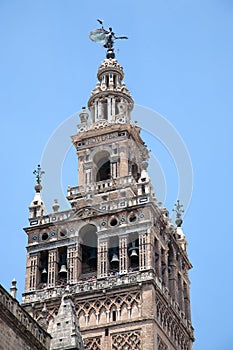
[115, 253]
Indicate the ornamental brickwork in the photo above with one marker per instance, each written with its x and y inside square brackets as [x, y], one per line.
[115, 254]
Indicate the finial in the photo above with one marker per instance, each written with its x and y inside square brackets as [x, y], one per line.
[83, 115]
[56, 206]
[178, 210]
[38, 172]
[13, 288]
[106, 37]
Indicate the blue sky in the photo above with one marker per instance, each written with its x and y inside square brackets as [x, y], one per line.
[178, 62]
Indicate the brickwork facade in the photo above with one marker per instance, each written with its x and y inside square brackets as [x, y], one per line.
[115, 251]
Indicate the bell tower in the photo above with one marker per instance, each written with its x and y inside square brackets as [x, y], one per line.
[114, 255]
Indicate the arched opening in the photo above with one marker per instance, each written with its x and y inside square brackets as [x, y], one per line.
[103, 166]
[104, 109]
[88, 238]
[135, 171]
[104, 172]
[43, 268]
[113, 255]
[62, 265]
[133, 253]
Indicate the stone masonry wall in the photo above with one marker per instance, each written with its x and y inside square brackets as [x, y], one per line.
[18, 330]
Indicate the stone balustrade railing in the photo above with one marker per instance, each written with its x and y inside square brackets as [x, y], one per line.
[101, 186]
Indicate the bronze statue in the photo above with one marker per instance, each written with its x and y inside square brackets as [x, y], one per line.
[106, 37]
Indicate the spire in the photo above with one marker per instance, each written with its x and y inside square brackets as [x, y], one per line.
[36, 208]
[66, 333]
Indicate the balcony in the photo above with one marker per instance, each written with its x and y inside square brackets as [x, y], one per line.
[101, 186]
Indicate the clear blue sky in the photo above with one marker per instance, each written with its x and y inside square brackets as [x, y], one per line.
[178, 61]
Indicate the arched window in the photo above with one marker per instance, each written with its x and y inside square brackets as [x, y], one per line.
[135, 171]
[88, 247]
[113, 255]
[104, 172]
[44, 266]
[133, 252]
[103, 167]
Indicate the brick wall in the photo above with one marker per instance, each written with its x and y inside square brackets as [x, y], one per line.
[18, 330]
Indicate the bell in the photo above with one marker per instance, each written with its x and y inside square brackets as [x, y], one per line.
[93, 255]
[44, 271]
[115, 258]
[63, 269]
[133, 250]
[134, 253]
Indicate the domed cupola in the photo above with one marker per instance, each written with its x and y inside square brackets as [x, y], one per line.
[110, 101]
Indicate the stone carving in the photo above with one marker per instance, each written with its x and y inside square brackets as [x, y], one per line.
[170, 325]
[82, 128]
[121, 119]
[125, 305]
[126, 341]
[161, 344]
[101, 138]
[93, 343]
[86, 212]
[101, 124]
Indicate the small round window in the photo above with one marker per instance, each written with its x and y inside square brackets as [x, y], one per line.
[63, 233]
[113, 222]
[132, 217]
[44, 236]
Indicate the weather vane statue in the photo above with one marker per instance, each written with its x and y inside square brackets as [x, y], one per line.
[106, 37]
[38, 172]
[178, 209]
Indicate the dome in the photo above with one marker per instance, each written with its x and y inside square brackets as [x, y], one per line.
[110, 65]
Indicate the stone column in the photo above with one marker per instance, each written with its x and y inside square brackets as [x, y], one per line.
[92, 110]
[109, 108]
[123, 254]
[143, 251]
[81, 179]
[180, 291]
[96, 110]
[72, 264]
[114, 170]
[157, 257]
[149, 250]
[52, 268]
[124, 166]
[103, 263]
[79, 259]
[32, 273]
[173, 279]
[113, 108]
[187, 301]
[164, 266]
[99, 113]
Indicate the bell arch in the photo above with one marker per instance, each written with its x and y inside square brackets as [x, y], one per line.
[102, 166]
[88, 250]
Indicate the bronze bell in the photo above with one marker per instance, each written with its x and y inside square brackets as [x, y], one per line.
[115, 258]
[63, 269]
[134, 253]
